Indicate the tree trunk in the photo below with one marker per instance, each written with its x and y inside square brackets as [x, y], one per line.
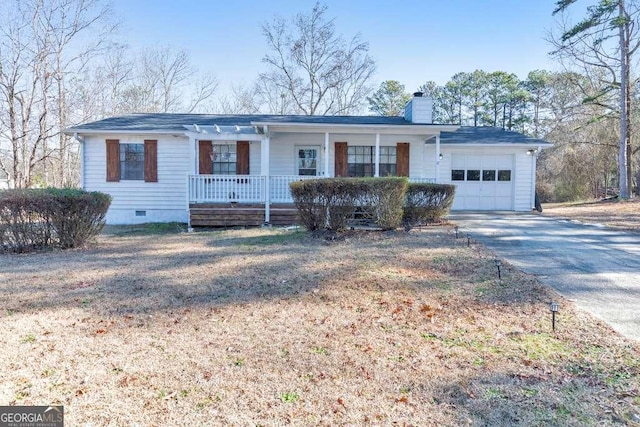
[623, 153]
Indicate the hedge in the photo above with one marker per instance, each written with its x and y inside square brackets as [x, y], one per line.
[331, 203]
[33, 219]
[426, 203]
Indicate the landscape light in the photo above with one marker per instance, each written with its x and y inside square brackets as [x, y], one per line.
[468, 240]
[456, 228]
[553, 306]
[498, 264]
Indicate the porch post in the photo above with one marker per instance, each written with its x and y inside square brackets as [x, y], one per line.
[264, 167]
[193, 170]
[437, 159]
[377, 160]
[326, 154]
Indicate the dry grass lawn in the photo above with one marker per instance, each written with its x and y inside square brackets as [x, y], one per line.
[622, 214]
[267, 327]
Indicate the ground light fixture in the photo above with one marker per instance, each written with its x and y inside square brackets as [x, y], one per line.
[498, 264]
[553, 306]
[456, 229]
[468, 240]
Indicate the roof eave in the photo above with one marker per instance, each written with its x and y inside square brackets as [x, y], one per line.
[542, 145]
[410, 128]
[80, 131]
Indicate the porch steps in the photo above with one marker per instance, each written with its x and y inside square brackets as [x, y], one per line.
[239, 214]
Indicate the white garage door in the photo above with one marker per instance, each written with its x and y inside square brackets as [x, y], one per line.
[483, 182]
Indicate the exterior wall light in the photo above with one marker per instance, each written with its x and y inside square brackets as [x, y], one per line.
[440, 157]
[531, 152]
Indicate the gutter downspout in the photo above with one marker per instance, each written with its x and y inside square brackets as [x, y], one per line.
[437, 159]
[82, 159]
[326, 154]
[533, 178]
[376, 171]
[265, 166]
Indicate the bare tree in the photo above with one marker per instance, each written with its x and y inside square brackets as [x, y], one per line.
[40, 50]
[606, 38]
[163, 80]
[314, 66]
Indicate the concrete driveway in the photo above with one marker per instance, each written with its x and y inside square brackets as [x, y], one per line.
[596, 267]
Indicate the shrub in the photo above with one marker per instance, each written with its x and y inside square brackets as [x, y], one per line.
[324, 203]
[427, 203]
[331, 203]
[310, 203]
[38, 218]
[382, 199]
[77, 215]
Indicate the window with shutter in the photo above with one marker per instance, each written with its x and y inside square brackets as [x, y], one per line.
[150, 160]
[113, 160]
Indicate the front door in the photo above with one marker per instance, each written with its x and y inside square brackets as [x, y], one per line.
[308, 160]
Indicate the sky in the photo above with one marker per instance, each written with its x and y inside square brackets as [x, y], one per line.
[412, 41]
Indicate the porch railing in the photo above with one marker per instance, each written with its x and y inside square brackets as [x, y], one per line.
[226, 188]
[279, 187]
[248, 188]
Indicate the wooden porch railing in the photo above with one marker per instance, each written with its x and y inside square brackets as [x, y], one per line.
[226, 188]
[279, 186]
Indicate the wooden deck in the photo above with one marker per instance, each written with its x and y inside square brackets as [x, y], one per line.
[240, 214]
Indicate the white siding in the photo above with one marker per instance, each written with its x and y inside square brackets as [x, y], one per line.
[162, 201]
[523, 182]
[254, 157]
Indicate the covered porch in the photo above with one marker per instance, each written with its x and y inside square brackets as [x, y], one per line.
[241, 174]
[245, 200]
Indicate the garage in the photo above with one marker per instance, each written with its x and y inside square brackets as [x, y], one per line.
[483, 182]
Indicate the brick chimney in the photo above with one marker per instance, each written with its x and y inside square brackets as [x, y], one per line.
[419, 109]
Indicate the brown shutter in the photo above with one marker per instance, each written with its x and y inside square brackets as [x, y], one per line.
[150, 160]
[242, 158]
[341, 159]
[205, 164]
[113, 160]
[402, 159]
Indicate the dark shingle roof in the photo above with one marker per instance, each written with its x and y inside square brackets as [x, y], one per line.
[487, 135]
[176, 122]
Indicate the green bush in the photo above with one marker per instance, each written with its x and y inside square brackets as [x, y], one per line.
[39, 218]
[381, 200]
[77, 215]
[426, 203]
[331, 203]
[324, 203]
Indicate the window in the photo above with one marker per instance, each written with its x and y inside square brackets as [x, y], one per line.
[224, 159]
[457, 175]
[488, 175]
[361, 161]
[473, 175]
[504, 175]
[388, 162]
[307, 161]
[132, 162]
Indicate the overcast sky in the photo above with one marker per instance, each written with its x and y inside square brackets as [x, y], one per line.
[411, 41]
